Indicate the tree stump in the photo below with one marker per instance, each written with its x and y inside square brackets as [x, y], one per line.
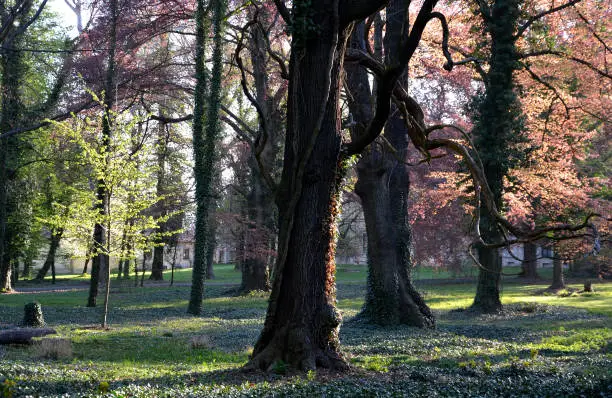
[588, 287]
[33, 316]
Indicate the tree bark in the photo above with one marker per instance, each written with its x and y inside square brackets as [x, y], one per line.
[260, 225]
[530, 261]
[54, 243]
[301, 327]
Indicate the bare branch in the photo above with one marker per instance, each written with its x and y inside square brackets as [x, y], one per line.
[538, 79]
[565, 56]
[541, 15]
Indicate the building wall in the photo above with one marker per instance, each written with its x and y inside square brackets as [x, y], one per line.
[544, 256]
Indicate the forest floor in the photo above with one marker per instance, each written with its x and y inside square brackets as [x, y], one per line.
[541, 345]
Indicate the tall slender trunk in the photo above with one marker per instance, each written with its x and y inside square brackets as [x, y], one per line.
[100, 264]
[49, 263]
[173, 265]
[204, 142]
[157, 266]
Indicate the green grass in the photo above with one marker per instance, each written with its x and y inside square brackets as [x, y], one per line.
[346, 273]
[542, 345]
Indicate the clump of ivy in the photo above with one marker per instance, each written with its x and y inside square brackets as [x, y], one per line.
[303, 26]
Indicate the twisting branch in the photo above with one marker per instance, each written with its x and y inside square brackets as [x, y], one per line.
[273, 54]
[445, 33]
[541, 15]
[260, 141]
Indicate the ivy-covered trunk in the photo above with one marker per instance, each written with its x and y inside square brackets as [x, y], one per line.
[498, 123]
[487, 297]
[205, 133]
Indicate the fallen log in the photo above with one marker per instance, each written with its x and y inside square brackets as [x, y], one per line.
[23, 335]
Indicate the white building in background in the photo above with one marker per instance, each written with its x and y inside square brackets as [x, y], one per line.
[515, 256]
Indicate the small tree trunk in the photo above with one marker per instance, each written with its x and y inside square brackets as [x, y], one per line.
[49, 263]
[27, 267]
[142, 275]
[157, 265]
[86, 264]
[136, 271]
[173, 266]
[558, 281]
[210, 256]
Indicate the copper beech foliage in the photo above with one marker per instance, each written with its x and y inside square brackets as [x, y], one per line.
[564, 88]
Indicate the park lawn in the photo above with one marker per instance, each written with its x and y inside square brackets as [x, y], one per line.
[542, 345]
[346, 273]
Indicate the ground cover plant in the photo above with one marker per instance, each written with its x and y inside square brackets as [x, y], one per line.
[541, 345]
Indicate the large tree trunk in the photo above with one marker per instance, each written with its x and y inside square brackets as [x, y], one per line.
[383, 185]
[530, 261]
[302, 323]
[157, 265]
[260, 226]
[54, 243]
[498, 124]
